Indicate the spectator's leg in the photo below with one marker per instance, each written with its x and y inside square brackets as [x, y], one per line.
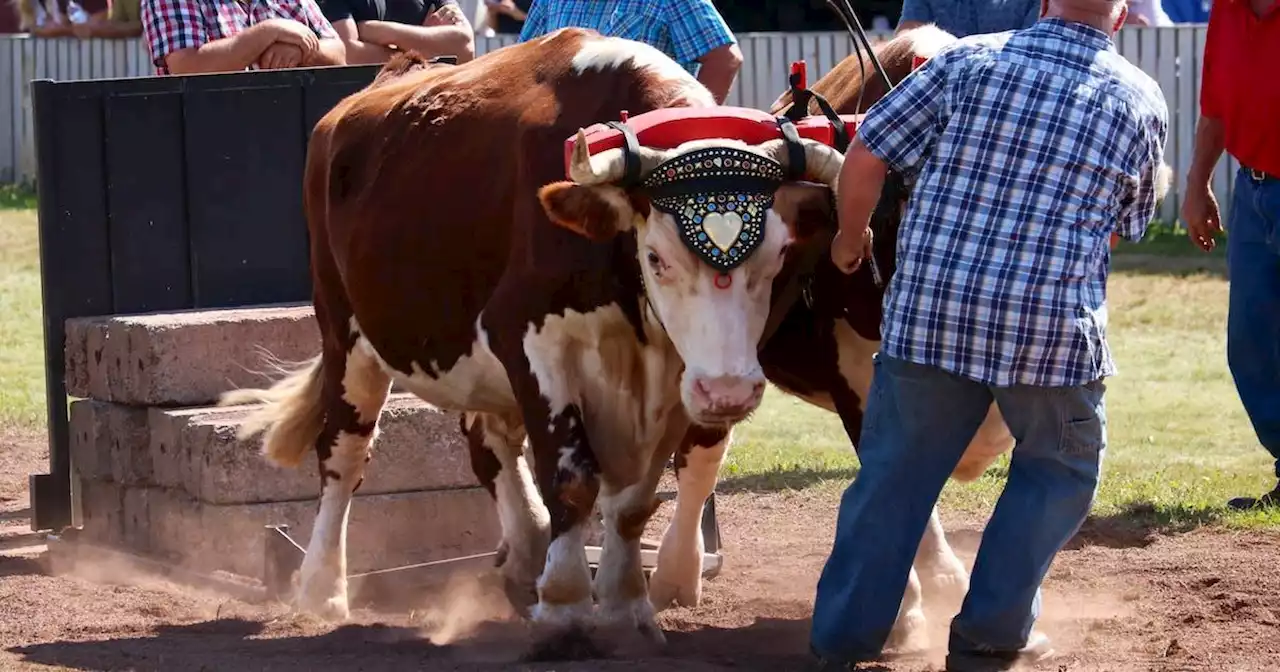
[919, 421]
[1053, 475]
[1253, 322]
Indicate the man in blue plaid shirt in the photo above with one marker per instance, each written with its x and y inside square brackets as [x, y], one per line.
[1026, 150]
[691, 32]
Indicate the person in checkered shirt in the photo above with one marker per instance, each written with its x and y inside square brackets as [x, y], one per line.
[691, 32]
[193, 36]
[1026, 150]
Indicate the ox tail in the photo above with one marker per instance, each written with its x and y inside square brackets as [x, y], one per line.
[291, 412]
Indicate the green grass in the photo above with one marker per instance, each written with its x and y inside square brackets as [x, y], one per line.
[1179, 442]
[21, 334]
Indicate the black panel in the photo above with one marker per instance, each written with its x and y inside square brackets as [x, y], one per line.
[168, 193]
[244, 169]
[150, 262]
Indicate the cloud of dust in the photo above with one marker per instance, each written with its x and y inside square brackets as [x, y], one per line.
[467, 602]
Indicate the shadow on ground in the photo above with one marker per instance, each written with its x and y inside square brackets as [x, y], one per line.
[766, 645]
[784, 478]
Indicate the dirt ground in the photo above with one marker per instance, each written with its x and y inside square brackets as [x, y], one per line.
[1120, 598]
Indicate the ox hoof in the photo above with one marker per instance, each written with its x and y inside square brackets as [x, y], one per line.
[634, 617]
[910, 636]
[563, 632]
[326, 606]
[665, 593]
[677, 580]
[950, 586]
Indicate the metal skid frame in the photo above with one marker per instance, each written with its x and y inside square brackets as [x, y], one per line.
[282, 557]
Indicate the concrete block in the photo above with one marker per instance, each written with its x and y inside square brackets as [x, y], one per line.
[196, 450]
[183, 358]
[102, 504]
[110, 442]
[383, 530]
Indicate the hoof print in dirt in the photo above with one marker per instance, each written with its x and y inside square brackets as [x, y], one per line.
[574, 643]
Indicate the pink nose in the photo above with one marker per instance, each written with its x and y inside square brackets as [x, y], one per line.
[730, 396]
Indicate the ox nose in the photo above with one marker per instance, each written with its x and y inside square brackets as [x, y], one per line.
[728, 397]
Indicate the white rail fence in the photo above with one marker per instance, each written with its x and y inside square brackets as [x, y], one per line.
[1170, 55]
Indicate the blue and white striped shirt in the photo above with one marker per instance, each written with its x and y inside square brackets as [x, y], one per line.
[685, 30]
[1027, 149]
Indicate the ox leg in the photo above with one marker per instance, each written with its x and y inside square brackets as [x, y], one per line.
[569, 481]
[678, 576]
[497, 457]
[944, 576]
[355, 390]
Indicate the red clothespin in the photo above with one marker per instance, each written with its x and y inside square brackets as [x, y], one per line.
[917, 61]
[623, 116]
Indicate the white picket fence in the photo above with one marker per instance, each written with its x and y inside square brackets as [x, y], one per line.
[1170, 55]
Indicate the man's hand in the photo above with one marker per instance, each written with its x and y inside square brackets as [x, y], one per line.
[847, 255]
[1200, 212]
[294, 33]
[447, 15]
[280, 55]
[84, 30]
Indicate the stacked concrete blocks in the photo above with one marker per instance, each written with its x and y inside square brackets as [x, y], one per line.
[162, 473]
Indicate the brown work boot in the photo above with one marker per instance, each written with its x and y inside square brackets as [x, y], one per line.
[1271, 499]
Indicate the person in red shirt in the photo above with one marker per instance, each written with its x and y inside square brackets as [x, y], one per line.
[1240, 114]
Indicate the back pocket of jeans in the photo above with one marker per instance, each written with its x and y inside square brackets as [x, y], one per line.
[1082, 437]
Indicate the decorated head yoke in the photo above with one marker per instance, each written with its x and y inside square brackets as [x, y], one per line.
[718, 197]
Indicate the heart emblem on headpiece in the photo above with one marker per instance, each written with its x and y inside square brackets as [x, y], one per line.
[719, 197]
[723, 230]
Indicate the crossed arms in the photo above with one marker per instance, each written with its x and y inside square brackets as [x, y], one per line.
[445, 31]
[274, 43]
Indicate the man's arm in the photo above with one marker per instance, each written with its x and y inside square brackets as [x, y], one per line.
[226, 54]
[359, 51]
[446, 32]
[330, 49]
[430, 41]
[699, 33]
[1199, 207]
[915, 13]
[898, 133]
[1138, 207]
[718, 68]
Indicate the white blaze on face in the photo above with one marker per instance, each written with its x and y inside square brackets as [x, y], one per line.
[716, 329]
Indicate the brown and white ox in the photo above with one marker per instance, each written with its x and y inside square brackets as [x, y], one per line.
[449, 255]
[822, 353]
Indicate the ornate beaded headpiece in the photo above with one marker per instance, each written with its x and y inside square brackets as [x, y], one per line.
[718, 197]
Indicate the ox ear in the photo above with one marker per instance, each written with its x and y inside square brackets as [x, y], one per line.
[597, 212]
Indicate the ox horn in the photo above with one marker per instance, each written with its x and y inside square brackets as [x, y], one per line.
[821, 161]
[609, 165]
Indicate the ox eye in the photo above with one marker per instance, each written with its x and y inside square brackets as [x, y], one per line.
[655, 262]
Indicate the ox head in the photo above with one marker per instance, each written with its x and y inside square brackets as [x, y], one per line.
[710, 219]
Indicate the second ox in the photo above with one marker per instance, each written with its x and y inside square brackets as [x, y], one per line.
[595, 320]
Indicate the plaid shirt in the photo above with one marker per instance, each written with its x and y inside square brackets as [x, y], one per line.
[1027, 149]
[170, 25]
[682, 29]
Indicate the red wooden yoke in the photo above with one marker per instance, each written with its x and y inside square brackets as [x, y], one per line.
[667, 128]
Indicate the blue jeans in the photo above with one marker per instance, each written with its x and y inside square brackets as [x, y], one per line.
[1253, 318]
[918, 422]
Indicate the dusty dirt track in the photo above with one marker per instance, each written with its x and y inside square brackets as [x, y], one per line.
[1120, 599]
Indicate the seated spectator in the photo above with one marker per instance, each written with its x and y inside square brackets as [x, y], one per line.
[123, 19]
[193, 36]
[373, 30]
[506, 17]
[57, 18]
[691, 32]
